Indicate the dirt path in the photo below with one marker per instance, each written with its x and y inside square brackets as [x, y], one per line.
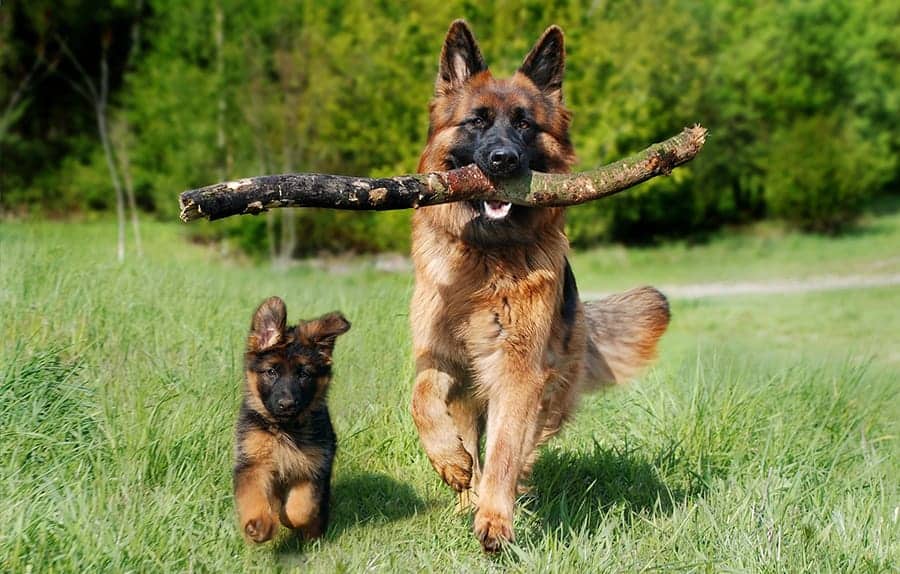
[394, 263]
[774, 287]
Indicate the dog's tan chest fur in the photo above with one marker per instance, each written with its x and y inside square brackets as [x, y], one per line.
[289, 462]
[478, 303]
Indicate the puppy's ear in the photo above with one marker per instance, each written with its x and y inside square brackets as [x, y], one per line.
[267, 327]
[546, 62]
[322, 332]
[460, 59]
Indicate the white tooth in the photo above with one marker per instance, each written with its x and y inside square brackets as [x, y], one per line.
[497, 212]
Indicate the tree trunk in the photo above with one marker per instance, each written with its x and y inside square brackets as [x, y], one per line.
[257, 194]
[99, 97]
[9, 112]
[121, 141]
[114, 176]
[222, 105]
[100, 108]
[288, 217]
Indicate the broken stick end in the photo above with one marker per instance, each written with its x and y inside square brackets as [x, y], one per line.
[698, 135]
[189, 210]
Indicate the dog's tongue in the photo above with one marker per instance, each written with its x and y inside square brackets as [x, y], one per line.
[497, 209]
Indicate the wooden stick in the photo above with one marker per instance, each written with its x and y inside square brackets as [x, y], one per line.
[257, 194]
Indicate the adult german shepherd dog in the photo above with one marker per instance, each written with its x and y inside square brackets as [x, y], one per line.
[503, 345]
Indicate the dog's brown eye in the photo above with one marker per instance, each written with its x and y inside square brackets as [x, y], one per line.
[523, 124]
[271, 373]
[479, 122]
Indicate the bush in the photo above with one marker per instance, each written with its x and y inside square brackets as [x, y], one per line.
[820, 171]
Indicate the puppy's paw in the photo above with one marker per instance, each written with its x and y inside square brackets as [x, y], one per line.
[493, 529]
[260, 529]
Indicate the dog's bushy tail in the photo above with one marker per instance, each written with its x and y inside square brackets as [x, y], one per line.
[623, 330]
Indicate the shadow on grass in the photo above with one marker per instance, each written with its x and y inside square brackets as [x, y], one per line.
[574, 490]
[361, 499]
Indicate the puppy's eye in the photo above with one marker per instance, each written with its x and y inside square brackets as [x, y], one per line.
[523, 124]
[271, 373]
[478, 122]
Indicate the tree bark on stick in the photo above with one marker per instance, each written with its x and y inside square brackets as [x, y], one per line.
[257, 194]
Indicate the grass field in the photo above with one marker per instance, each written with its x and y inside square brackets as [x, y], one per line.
[765, 440]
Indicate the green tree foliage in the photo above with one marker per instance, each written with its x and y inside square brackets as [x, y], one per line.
[751, 73]
[802, 99]
[820, 173]
[48, 129]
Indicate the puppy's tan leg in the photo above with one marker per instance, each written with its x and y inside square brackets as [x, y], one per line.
[448, 426]
[302, 510]
[511, 424]
[257, 507]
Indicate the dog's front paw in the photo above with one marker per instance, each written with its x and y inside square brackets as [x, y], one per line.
[493, 529]
[260, 529]
[455, 469]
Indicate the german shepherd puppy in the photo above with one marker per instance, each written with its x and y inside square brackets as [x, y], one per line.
[285, 443]
[503, 345]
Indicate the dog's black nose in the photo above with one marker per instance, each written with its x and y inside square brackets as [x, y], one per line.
[285, 404]
[504, 160]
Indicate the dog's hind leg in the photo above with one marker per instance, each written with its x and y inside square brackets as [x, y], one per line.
[447, 419]
[559, 401]
[466, 411]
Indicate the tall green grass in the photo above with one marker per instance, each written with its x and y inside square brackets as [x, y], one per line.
[764, 441]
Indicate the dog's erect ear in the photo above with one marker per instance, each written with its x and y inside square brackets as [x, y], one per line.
[460, 59]
[323, 332]
[546, 62]
[267, 327]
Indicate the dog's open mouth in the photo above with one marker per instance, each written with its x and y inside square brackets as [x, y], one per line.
[496, 209]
